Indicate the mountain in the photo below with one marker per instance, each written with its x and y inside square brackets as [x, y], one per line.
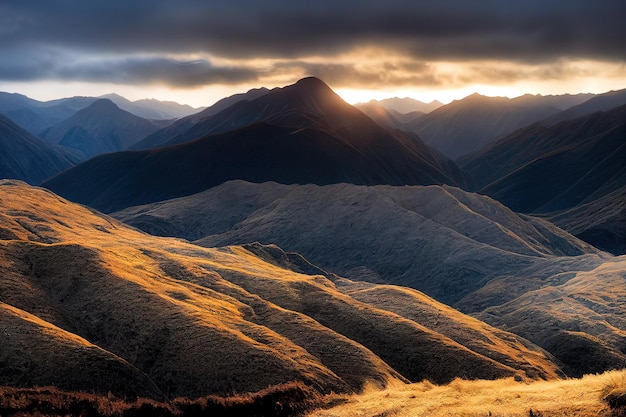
[164, 135]
[99, 128]
[380, 115]
[560, 101]
[152, 108]
[584, 159]
[311, 136]
[462, 240]
[600, 102]
[25, 157]
[407, 105]
[309, 103]
[36, 116]
[601, 221]
[467, 125]
[464, 249]
[96, 305]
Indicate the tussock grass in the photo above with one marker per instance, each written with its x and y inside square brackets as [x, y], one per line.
[282, 400]
[601, 395]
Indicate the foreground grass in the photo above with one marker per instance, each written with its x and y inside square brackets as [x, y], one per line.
[591, 396]
[282, 400]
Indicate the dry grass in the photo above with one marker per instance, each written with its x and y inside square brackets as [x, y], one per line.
[591, 396]
[195, 321]
[282, 400]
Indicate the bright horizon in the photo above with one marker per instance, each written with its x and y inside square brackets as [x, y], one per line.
[205, 97]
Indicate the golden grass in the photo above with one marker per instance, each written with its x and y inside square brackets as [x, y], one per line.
[585, 397]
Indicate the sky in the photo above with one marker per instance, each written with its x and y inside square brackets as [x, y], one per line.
[198, 51]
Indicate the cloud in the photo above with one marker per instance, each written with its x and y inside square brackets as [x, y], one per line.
[136, 71]
[532, 32]
[348, 75]
[444, 29]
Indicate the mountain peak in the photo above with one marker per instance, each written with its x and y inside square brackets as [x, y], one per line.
[312, 82]
[102, 104]
[311, 86]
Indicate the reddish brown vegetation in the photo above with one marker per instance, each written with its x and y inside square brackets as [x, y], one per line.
[281, 400]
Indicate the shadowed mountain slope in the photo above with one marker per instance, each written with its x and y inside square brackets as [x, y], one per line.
[163, 136]
[583, 158]
[464, 249]
[381, 115]
[26, 157]
[311, 105]
[331, 142]
[192, 321]
[600, 102]
[601, 222]
[99, 128]
[467, 125]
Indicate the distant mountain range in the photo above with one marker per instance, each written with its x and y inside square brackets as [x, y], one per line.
[404, 105]
[303, 133]
[153, 109]
[37, 116]
[99, 128]
[467, 125]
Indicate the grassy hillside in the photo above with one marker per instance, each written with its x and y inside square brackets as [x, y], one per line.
[81, 288]
[592, 396]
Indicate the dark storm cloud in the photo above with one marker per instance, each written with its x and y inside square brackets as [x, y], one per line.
[177, 73]
[351, 75]
[529, 31]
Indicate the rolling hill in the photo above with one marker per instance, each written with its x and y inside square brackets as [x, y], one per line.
[585, 316]
[101, 127]
[25, 157]
[161, 317]
[464, 249]
[310, 136]
[440, 240]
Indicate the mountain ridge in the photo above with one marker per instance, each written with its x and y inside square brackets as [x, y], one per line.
[309, 135]
[26, 157]
[464, 249]
[99, 128]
